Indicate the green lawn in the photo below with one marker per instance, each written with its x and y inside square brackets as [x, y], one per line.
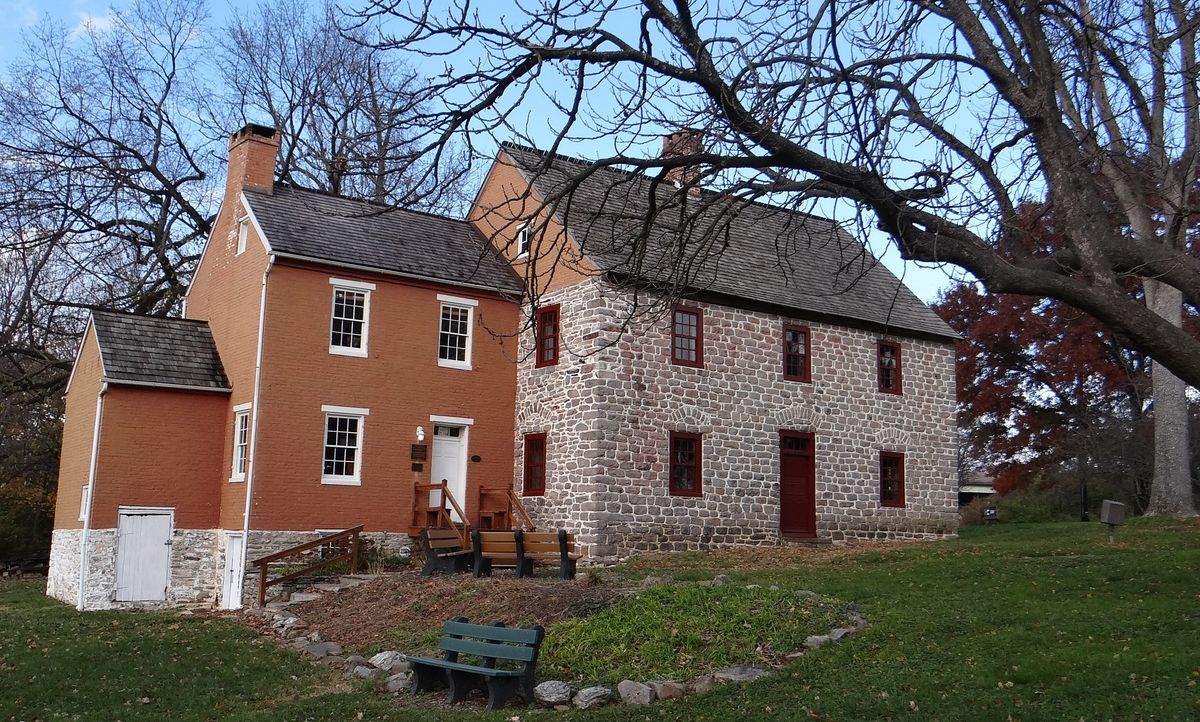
[1037, 622]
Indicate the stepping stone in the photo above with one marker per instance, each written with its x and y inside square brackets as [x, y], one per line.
[301, 597]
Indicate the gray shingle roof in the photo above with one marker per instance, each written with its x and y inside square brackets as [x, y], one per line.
[158, 351]
[339, 230]
[706, 242]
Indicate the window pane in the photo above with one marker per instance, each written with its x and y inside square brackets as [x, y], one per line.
[455, 328]
[341, 445]
[349, 311]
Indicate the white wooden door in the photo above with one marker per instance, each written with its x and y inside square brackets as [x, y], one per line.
[231, 588]
[143, 554]
[449, 463]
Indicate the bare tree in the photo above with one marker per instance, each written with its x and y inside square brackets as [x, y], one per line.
[342, 106]
[937, 117]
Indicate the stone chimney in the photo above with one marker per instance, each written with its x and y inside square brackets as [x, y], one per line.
[252, 152]
[687, 141]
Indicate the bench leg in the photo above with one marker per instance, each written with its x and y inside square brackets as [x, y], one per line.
[483, 568]
[426, 678]
[567, 569]
[525, 568]
[461, 684]
[500, 690]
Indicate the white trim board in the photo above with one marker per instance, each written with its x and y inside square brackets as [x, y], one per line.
[451, 420]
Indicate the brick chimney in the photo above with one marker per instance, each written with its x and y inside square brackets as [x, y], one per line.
[686, 141]
[252, 152]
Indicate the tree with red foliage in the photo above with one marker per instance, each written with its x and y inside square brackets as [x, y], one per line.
[1038, 380]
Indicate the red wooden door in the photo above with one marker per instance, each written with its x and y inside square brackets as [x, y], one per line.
[797, 484]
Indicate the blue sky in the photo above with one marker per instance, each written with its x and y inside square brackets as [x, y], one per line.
[19, 15]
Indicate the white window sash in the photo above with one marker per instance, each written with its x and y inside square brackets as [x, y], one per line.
[469, 307]
[353, 287]
[344, 412]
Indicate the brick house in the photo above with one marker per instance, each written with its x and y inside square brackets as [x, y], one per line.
[258, 421]
[324, 339]
[811, 401]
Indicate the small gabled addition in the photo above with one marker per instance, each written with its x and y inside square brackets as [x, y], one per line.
[797, 362]
[545, 333]
[887, 363]
[350, 317]
[687, 336]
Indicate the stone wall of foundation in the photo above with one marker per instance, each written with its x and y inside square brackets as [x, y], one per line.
[263, 543]
[194, 579]
[608, 407]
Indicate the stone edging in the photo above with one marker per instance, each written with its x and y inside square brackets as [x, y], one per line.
[391, 670]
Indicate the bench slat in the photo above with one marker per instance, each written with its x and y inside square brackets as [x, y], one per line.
[500, 634]
[434, 662]
[518, 653]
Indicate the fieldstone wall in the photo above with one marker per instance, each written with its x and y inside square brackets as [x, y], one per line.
[263, 543]
[610, 403]
[194, 579]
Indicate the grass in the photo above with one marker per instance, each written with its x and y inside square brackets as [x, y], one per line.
[682, 631]
[1028, 622]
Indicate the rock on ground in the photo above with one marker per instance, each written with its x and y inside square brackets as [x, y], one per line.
[590, 697]
[553, 692]
[702, 683]
[667, 689]
[322, 649]
[367, 672]
[740, 673]
[389, 661]
[635, 692]
[397, 682]
[816, 640]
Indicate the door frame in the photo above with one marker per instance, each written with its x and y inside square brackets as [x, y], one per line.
[240, 572]
[464, 440]
[812, 461]
[167, 511]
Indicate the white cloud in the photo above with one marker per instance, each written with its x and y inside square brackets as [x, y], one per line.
[91, 23]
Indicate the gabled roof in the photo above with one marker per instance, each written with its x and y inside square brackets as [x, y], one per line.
[343, 231]
[708, 243]
[152, 351]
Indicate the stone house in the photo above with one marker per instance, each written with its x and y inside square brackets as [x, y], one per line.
[334, 355]
[678, 395]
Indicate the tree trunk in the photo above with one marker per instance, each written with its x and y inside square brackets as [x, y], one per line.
[1171, 489]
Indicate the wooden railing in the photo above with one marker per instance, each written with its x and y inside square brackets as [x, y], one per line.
[422, 507]
[351, 535]
[511, 505]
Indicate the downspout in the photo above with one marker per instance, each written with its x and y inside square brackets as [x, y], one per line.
[91, 492]
[251, 464]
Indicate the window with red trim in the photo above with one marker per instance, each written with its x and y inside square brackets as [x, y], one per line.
[546, 336]
[888, 364]
[687, 336]
[796, 345]
[891, 478]
[534, 483]
[685, 464]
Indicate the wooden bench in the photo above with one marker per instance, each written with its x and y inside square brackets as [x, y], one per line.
[490, 644]
[550, 548]
[497, 548]
[444, 552]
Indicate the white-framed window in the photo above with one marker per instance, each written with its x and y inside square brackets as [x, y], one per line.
[84, 493]
[241, 442]
[350, 317]
[525, 239]
[341, 461]
[243, 235]
[454, 331]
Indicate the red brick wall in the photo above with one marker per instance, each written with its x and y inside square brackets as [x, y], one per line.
[77, 434]
[400, 383]
[505, 202]
[160, 447]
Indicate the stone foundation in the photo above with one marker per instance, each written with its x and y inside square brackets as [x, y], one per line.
[197, 565]
[193, 581]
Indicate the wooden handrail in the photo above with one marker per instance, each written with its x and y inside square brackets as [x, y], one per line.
[514, 504]
[443, 513]
[264, 562]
